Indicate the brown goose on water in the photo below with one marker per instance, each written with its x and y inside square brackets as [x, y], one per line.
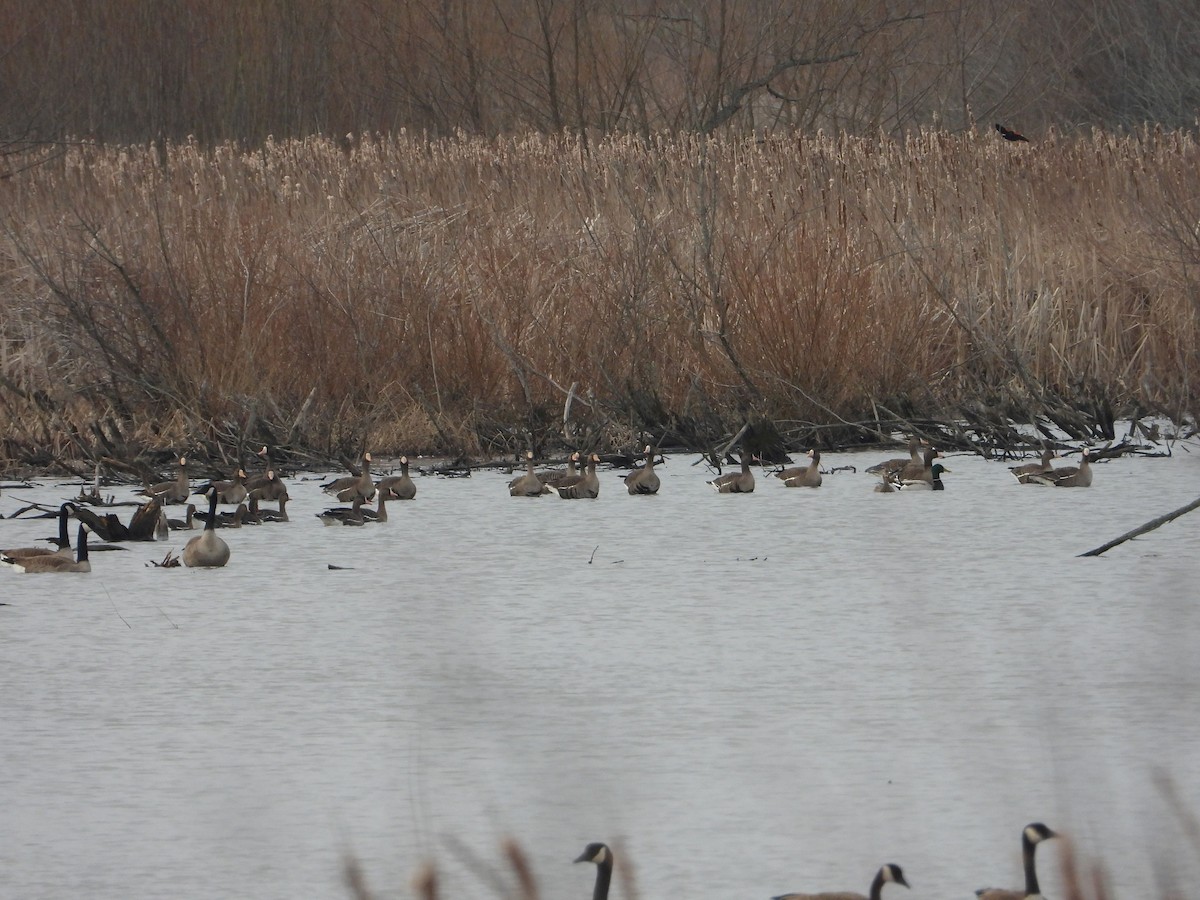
[559, 477]
[803, 476]
[585, 487]
[892, 466]
[1069, 476]
[911, 472]
[1024, 474]
[177, 490]
[527, 485]
[398, 487]
[736, 482]
[342, 515]
[644, 480]
[889, 873]
[55, 563]
[358, 484]
[232, 492]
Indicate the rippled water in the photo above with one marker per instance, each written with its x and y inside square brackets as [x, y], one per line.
[749, 694]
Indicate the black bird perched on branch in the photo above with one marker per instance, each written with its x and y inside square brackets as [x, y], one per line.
[1009, 135]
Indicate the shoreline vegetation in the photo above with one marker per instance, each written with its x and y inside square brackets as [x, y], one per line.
[473, 298]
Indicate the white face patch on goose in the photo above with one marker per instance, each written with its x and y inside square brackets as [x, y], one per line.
[601, 856]
[1034, 836]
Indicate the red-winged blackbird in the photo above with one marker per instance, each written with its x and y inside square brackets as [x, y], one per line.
[1009, 135]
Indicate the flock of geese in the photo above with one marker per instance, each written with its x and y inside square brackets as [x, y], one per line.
[889, 873]
[250, 496]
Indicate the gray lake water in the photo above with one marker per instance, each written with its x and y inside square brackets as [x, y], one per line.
[746, 694]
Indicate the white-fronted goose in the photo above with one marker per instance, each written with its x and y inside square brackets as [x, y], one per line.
[559, 477]
[271, 488]
[207, 549]
[527, 485]
[1032, 835]
[54, 563]
[184, 524]
[923, 471]
[1025, 474]
[1069, 476]
[398, 487]
[644, 480]
[176, 490]
[603, 858]
[233, 491]
[379, 513]
[63, 541]
[803, 476]
[889, 873]
[342, 515]
[585, 487]
[354, 485]
[887, 483]
[736, 482]
[892, 466]
[934, 483]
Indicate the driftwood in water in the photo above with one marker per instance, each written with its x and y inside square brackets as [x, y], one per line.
[1149, 526]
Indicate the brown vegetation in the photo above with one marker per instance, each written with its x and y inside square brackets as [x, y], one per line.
[457, 295]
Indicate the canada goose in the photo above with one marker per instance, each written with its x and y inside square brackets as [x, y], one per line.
[889, 872]
[207, 549]
[586, 487]
[232, 492]
[1070, 476]
[63, 541]
[398, 487]
[527, 485]
[184, 524]
[342, 515]
[559, 477]
[355, 485]
[934, 483]
[176, 490]
[803, 476]
[894, 465]
[644, 480]
[1024, 474]
[1033, 834]
[911, 472]
[603, 858]
[54, 563]
[736, 482]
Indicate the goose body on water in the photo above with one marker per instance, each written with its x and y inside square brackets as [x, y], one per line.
[64, 540]
[585, 487]
[803, 476]
[177, 490]
[644, 480]
[1069, 476]
[892, 466]
[934, 483]
[923, 471]
[207, 549]
[602, 857]
[1026, 473]
[398, 487]
[527, 485]
[354, 485]
[342, 515]
[735, 482]
[55, 563]
[1032, 835]
[889, 873]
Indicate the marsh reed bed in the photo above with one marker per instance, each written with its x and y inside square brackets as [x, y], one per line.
[466, 295]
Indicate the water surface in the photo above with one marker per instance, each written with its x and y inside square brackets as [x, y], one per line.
[749, 694]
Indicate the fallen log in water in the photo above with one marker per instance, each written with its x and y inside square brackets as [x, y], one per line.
[1149, 526]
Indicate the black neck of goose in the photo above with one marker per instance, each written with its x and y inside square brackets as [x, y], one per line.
[603, 879]
[82, 553]
[1028, 849]
[877, 885]
[63, 512]
[211, 524]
